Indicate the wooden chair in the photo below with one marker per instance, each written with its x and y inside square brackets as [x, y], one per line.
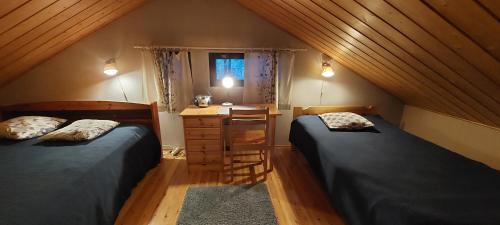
[248, 132]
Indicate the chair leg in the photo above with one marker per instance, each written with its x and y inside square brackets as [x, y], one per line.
[231, 167]
[270, 158]
[266, 151]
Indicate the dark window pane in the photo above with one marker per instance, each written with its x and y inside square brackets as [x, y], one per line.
[230, 67]
[226, 64]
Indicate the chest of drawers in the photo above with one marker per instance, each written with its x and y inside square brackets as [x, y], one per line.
[203, 136]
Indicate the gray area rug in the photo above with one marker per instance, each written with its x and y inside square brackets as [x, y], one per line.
[227, 205]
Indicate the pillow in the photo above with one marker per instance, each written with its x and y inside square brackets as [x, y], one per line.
[345, 121]
[25, 127]
[81, 130]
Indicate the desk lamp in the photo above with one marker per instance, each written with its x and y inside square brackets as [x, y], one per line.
[227, 82]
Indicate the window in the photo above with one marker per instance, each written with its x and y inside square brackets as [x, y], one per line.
[226, 64]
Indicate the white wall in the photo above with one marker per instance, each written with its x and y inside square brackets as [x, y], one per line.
[475, 141]
[76, 72]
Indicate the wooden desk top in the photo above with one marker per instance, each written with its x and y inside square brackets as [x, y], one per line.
[213, 110]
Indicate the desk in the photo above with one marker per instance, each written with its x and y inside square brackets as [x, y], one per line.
[204, 134]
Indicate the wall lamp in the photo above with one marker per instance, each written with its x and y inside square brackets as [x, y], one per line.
[327, 68]
[110, 67]
[327, 72]
[111, 70]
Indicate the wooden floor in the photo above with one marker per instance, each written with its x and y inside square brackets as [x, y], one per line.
[295, 193]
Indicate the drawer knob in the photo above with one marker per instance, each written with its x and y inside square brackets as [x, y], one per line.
[203, 147]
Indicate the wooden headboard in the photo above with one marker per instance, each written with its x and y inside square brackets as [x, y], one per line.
[122, 112]
[315, 110]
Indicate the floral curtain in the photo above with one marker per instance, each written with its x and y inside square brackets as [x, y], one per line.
[260, 77]
[170, 74]
[268, 78]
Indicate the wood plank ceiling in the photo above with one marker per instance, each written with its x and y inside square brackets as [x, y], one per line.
[442, 55]
[32, 31]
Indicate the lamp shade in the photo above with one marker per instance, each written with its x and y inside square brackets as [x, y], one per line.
[327, 70]
[228, 82]
[110, 68]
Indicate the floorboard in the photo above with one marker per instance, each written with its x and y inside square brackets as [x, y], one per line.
[296, 194]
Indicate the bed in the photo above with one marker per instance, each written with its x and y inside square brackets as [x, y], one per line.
[77, 183]
[389, 176]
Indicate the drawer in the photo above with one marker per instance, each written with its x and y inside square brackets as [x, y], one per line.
[203, 133]
[202, 122]
[203, 145]
[204, 157]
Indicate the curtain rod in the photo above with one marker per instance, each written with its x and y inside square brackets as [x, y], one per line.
[216, 48]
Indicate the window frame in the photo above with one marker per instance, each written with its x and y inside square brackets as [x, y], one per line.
[212, 56]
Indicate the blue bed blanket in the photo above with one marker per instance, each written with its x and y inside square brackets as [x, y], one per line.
[73, 183]
[391, 177]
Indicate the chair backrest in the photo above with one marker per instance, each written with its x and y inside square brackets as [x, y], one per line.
[249, 118]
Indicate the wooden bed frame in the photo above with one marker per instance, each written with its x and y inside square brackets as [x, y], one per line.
[122, 112]
[315, 110]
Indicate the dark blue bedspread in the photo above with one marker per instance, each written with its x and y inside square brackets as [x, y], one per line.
[83, 183]
[395, 178]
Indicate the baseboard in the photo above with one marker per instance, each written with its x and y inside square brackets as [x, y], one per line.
[168, 147]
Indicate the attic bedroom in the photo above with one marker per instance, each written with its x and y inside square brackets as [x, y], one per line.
[255, 112]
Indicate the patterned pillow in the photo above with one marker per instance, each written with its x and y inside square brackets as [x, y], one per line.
[25, 127]
[345, 121]
[81, 130]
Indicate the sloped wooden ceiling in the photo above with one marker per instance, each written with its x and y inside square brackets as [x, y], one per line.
[441, 55]
[437, 54]
[33, 30]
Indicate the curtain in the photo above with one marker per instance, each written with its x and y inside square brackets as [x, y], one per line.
[268, 78]
[260, 77]
[286, 60]
[168, 78]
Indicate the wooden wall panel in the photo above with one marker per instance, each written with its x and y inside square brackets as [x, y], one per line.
[425, 52]
[35, 20]
[368, 34]
[8, 6]
[472, 19]
[33, 31]
[22, 13]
